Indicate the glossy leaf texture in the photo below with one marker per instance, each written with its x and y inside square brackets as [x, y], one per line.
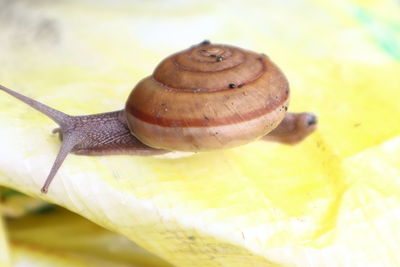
[333, 200]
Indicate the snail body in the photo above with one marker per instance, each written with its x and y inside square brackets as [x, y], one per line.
[204, 98]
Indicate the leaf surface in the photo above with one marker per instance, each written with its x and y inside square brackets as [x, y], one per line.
[332, 200]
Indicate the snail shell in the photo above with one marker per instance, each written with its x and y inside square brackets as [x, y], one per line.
[208, 97]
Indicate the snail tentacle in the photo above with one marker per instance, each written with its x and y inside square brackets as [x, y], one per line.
[57, 116]
[293, 128]
[69, 141]
[98, 134]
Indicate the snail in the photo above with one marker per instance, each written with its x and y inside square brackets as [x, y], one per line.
[207, 97]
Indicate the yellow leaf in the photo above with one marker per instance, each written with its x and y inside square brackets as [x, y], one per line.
[330, 201]
[58, 238]
[4, 249]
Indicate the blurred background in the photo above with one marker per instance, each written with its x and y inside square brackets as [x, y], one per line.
[341, 57]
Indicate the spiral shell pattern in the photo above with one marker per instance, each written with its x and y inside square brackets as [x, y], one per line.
[208, 97]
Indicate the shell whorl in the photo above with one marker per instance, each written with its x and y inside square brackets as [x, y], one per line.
[208, 97]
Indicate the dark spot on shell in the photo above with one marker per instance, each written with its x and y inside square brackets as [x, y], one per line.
[212, 55]
[264, 55]
[219, 59]
[206, 118]
[240, 85]
[287, 92]
[232, 85]
[191, 237]
[285, 108]
[205, 42]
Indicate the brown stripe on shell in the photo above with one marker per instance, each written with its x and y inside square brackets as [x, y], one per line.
[205, 121]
